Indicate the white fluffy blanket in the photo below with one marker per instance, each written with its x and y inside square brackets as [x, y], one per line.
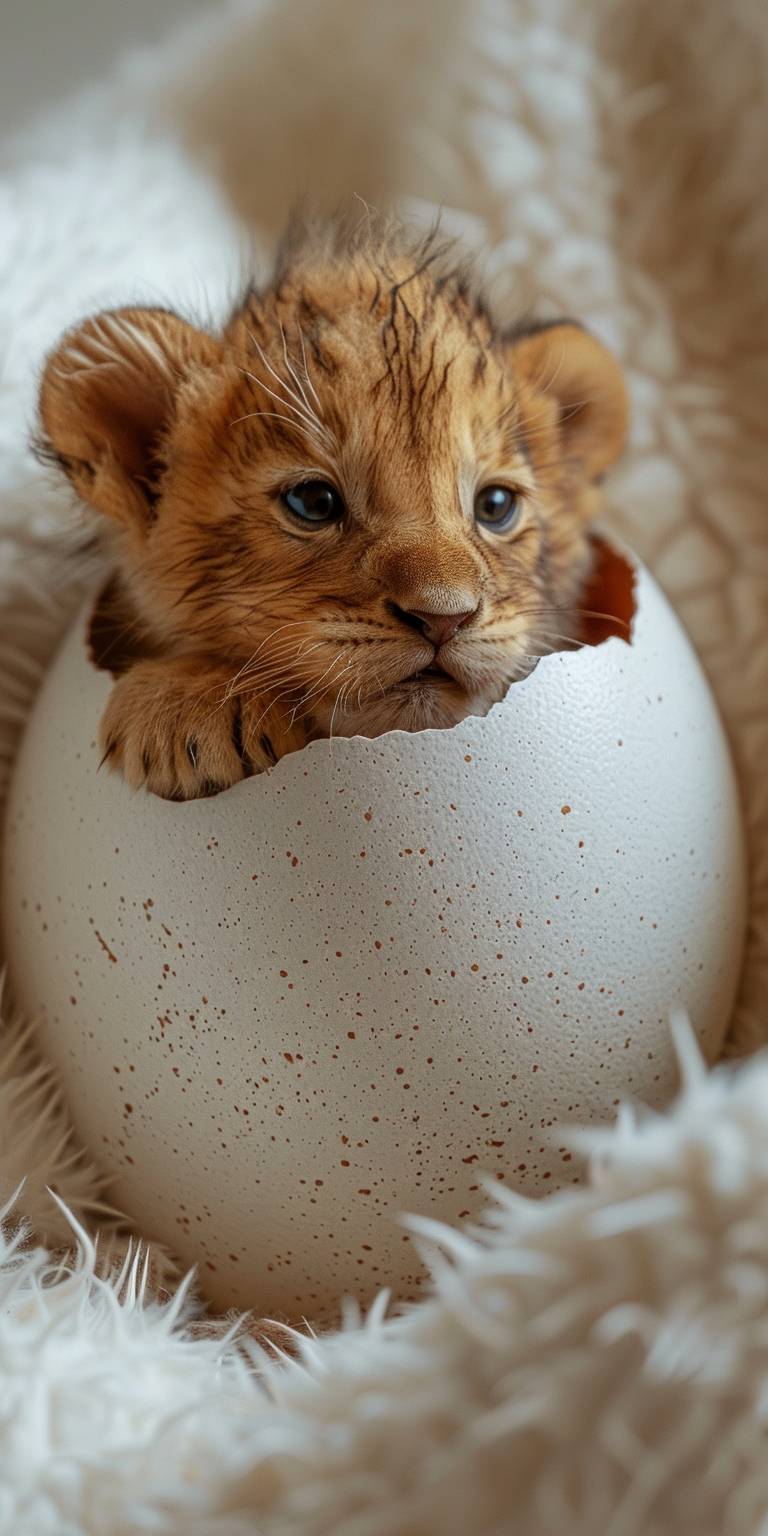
[597, 1362]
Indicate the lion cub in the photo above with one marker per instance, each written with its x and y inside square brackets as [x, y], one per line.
[360, 506]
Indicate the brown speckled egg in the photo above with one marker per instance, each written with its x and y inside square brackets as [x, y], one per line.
[383, 973]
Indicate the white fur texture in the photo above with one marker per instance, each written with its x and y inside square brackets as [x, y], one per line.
[597, 1363]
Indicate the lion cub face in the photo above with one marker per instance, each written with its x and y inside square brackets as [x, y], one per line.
[361, 498]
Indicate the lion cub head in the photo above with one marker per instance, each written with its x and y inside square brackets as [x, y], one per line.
[362, 495]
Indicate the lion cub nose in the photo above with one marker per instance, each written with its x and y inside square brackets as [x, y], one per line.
[437, 627]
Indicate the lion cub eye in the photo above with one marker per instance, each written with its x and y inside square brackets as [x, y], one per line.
[314, 501]
[497, 508]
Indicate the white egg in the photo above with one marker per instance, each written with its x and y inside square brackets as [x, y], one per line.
[387, 970]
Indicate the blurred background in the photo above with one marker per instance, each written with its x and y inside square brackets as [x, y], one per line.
[50, 47]
[279, 99]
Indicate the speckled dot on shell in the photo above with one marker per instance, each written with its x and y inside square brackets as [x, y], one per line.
[382, 974]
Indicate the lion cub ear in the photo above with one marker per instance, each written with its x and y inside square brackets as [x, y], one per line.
[586, 386]
[108, 397]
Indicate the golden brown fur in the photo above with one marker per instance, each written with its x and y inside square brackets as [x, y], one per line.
[369, 363]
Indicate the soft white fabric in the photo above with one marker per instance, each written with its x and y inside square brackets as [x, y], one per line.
[593, 1363]
[597, 1364]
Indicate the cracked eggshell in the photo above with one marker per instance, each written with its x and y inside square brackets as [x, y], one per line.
[388, 970]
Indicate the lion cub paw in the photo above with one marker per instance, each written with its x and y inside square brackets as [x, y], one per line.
[175, 728]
